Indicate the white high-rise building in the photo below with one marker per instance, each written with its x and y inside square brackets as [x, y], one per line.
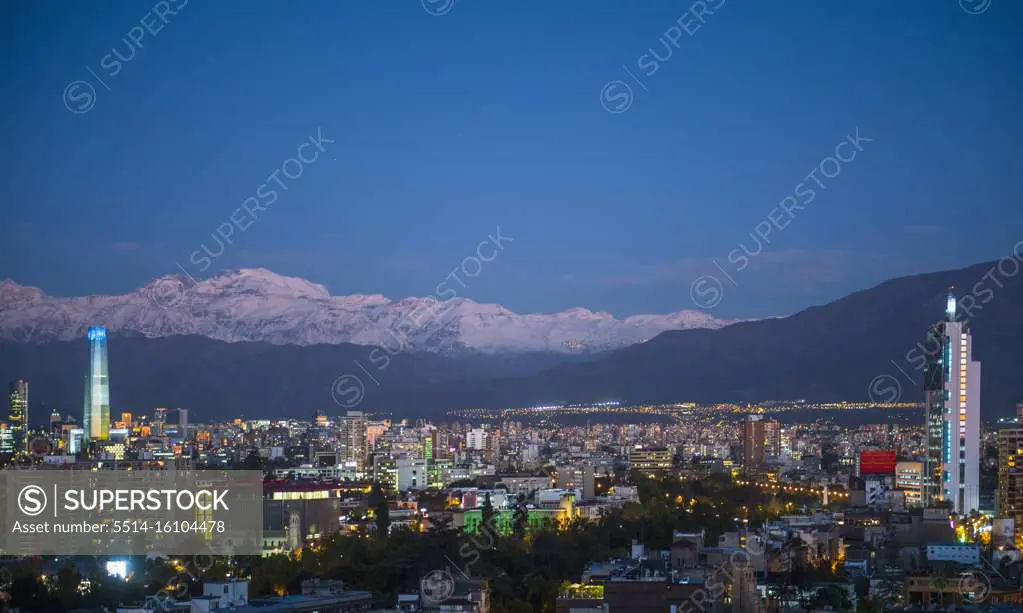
[952, 399]
[476, 438]
[411, 474]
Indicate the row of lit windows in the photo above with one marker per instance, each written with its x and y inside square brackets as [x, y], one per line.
[962, 390]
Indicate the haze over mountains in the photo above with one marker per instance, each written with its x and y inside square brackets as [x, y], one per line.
[259, 305]
[857, 348]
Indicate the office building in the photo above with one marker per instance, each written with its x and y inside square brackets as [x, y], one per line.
[952, 409]
[17, 415]
[74, 439]
[96, 412]
[909, 478]
[6, 438]
[651, 461]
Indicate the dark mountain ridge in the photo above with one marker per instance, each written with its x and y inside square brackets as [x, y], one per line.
[825, 353]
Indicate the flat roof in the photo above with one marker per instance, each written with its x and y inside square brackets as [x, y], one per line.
[286, 604]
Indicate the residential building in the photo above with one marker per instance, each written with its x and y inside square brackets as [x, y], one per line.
[354, 441]
[761, 440]
[1010, 472]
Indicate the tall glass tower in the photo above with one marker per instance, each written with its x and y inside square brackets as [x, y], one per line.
[952, 400]
[96, 412]
[18, 415]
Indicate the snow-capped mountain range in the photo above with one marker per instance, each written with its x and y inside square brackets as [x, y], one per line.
[259, 305]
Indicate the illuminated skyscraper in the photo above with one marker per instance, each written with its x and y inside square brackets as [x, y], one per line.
[96, 412]
[952, 401]
[17, 415]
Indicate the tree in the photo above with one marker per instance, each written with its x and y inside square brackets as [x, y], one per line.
[487, 514]
[381, 511]
[66, 589]
[520, 517]
[253, 461]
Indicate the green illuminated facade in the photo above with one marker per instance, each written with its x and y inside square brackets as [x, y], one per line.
[538, 519]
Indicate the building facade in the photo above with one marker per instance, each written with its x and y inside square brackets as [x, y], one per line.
[354, 440]
[952, 409]
[909, 478]
[761, 440]
[651, 461]
[1010, 472]
[476, 439]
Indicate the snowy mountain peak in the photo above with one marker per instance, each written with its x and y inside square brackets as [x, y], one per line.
[263, 282]
[256, 304]
[584, 313]
[12, 293]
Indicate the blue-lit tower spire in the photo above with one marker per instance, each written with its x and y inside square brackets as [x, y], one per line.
[96, 412]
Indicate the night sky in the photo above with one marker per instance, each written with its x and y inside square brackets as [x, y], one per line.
[495, 114]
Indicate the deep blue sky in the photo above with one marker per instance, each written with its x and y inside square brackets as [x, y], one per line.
[449, 126]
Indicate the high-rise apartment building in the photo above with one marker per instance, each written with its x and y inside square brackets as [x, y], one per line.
[772, 439]
[476, 439]
[96, 412]
[354, 439]
[17, 415]
[952, 409]
[493, 446]
[761, 440]
[1010, 472]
